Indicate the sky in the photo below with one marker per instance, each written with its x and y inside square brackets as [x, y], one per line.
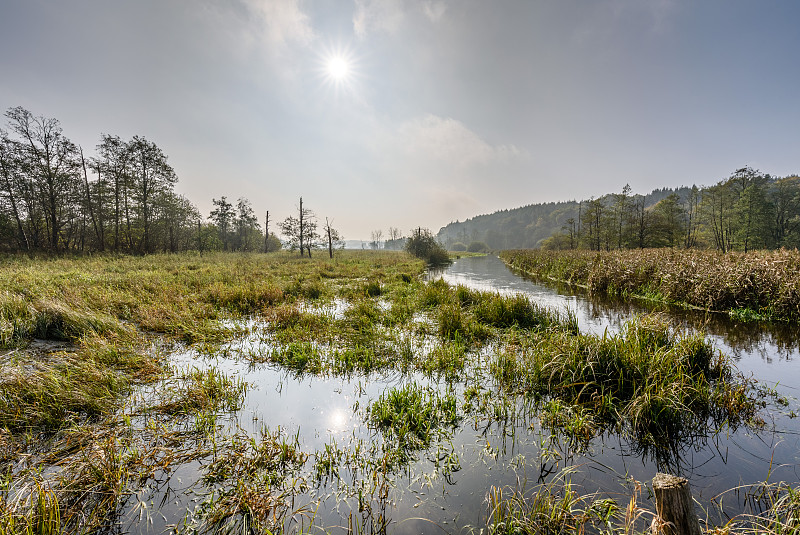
[409, 113]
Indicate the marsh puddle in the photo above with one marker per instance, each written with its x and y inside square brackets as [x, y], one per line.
[443, 486]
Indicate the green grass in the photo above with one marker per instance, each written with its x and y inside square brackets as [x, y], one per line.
[650, 382]
[411, 417]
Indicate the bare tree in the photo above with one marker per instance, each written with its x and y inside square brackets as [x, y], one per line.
[376, 236]
[333, 237]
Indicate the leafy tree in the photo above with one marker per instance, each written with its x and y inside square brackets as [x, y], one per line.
[753, 210]
[669, 221]
[273, 243]
[11, 186]
[592, 223]
[623, 208]
[50, 162]
[248, 230]
[477, 247]
[785, 198]
[717, 207]
[223, 217]
[112, 164]
[692, 210]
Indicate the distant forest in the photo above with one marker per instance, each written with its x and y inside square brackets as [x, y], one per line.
[748, 210]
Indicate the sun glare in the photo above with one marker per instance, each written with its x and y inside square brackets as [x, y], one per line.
[338, 68]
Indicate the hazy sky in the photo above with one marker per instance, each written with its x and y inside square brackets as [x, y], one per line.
[436, 110]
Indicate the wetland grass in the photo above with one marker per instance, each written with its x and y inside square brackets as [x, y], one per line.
[251, 485]
[559, 506]
[410, 417]
[361, 313]
[656, 385]
[749, 286]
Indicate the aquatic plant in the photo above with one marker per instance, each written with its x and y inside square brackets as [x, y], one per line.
[658, 385]
[411, 416]
[251, 484]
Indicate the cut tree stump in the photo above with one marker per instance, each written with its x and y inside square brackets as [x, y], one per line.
[674, 507]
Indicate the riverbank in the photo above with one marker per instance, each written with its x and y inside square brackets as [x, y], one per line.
[756, 285]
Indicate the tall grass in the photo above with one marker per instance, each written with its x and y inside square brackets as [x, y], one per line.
[559, 506]
[754, 285]
[411, 417]
[657, 385]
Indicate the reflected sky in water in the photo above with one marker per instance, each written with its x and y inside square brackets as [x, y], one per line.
[427, 498]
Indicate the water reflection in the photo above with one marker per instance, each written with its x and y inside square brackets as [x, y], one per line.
[443, 487]
[714, 462]
[754, 343]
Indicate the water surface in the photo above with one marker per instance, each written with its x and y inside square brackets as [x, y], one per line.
[445, 488]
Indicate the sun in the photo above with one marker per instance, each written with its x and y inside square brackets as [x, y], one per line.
[338, 68]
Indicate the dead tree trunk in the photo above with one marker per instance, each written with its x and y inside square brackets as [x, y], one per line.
[674, 507]
[266, 233]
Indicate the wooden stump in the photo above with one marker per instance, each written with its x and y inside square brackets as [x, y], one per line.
[674, 507]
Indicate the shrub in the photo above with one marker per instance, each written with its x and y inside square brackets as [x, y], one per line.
[477, 247]
[423, 245]
[458, 246]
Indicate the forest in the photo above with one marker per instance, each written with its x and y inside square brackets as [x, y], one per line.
[748, 210]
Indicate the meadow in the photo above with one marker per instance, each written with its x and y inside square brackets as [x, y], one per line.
[96, 411]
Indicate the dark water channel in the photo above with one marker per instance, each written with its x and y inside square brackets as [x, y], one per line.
[445, 489]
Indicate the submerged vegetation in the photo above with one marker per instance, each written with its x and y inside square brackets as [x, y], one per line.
[95, 416]
[753, 285]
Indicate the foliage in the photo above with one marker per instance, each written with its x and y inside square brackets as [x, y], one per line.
[301, 231]
[748, 210]
[477, 247]
[422, 244]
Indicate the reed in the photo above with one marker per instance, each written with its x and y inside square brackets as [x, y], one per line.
[753, 285]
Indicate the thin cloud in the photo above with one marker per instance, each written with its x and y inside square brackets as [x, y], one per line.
[434, 10]
[377, 15]
[448, 140]
[283, 21]
[388, 15]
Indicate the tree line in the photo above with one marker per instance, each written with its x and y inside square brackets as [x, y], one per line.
[55, 198]
[748, 210]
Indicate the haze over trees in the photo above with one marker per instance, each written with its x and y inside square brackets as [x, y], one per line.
[748, 210]
[55, 198]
